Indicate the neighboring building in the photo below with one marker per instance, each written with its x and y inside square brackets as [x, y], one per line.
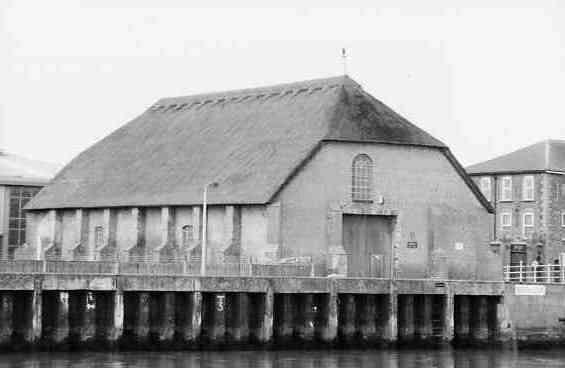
[316, 169]
[527, 190]
[20, 180]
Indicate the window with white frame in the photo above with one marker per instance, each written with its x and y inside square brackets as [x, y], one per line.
[527, 225]
[506, 188]
[506, 219]
[528, 188]
[361, 178]
[485, 185]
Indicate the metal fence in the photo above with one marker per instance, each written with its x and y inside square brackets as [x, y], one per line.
[535, 273]
[190, 268]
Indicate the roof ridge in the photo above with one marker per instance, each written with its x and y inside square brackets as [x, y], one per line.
[282, 87]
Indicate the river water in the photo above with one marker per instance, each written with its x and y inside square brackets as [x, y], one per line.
[446, 358]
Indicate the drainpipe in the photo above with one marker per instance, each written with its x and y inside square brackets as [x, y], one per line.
[495, 204]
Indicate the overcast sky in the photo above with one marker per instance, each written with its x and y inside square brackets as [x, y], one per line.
[485, 77]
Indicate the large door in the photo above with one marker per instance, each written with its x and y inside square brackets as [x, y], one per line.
[367, 239]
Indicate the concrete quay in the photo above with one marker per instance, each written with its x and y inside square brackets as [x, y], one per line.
[188, 312]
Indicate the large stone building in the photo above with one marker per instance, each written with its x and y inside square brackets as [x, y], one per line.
[527, 189]
[20, 180]
[317, 169]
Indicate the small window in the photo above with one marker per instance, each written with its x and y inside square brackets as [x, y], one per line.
[98, 236]
[528, 188]
[506, 189]
[563, 219]
[528, 225]
[187, 235]
[362, 178]
[506, 219]
[486, 187]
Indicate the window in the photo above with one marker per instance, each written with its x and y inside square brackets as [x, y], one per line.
[486, 187]
[19, 196]
[506, 189]
[563, 219]
[98, 236]
[362, 178]
[528, 225]
[187, 235]
[506, 219]
[528, 188]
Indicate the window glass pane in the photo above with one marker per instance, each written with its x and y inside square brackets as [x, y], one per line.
[362, 178]
[13, 223]
[15, 191]
[13, 237]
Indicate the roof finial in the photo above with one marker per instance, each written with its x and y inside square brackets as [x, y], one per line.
[344, 58]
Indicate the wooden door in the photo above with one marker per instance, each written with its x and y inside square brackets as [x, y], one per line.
[364, 237]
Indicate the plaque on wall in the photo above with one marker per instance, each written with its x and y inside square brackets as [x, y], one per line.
[412, 244]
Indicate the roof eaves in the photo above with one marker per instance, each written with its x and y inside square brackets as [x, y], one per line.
[296, 170]
[24, 181]
[398, 143]
[466, 178]
[505, 172]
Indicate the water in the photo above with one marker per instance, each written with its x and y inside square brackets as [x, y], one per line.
[291, 359]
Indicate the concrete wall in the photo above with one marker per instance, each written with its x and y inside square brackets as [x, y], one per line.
[417, 185]
[3, 218]
[535, 318]
[249, 233]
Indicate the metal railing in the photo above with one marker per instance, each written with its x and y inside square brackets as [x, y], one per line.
[190, 268]
[535, 273]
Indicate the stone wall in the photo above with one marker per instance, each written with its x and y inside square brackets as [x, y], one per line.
[547, 207]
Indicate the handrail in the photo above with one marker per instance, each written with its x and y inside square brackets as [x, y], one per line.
[535, 273]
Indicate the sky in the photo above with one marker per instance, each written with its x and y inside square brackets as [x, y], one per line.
[485, 77]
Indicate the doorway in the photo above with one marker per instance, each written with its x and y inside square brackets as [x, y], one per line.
[367, 240]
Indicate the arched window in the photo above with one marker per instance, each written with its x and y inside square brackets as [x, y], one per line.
[187, 235]
[361, 178]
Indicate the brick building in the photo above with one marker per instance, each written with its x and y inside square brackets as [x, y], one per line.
[527, 190]
[317, 169]
[20, 180]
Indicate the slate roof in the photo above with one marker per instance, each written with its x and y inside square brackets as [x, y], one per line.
[18, 170]
[249, 141]
[547, 155]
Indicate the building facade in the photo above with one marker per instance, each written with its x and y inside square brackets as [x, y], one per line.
[20, 180]
[316, 170]
[527, 190]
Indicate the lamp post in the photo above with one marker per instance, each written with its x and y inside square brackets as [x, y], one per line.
[204, 223]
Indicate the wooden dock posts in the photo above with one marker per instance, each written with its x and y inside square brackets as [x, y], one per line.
[199, 319]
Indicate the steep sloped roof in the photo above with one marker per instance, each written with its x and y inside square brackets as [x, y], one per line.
[249, 141]
[18, 170]
[547, 155]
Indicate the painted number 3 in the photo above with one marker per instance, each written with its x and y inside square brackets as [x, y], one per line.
[220, 303]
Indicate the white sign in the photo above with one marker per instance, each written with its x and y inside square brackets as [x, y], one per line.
[458, 246]
[536, 290]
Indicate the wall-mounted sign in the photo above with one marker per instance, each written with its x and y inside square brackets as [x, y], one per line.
[458, 246]
[535, 290]
[412, 243]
